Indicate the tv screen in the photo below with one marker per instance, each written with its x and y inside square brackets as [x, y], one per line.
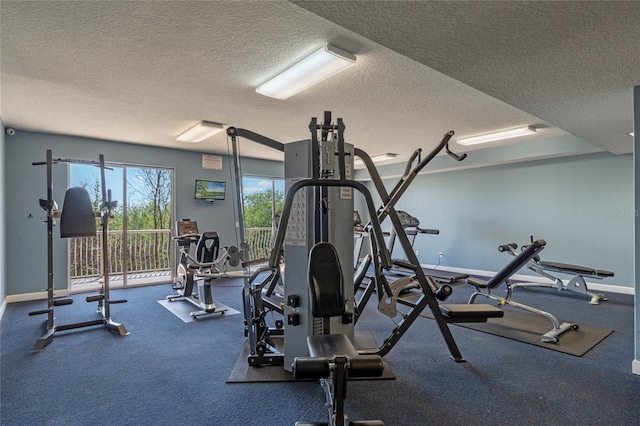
[210, 190]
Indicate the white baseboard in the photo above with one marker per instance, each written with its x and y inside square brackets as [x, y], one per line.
[635, 367]
[25, 297]
[611, 288]
[41, 295]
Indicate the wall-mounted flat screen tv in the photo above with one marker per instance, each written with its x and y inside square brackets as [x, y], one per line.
[210, 190]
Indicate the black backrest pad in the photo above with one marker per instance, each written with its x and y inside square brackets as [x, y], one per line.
[516, 263]
[207, 248]
[78, 217]
[325, 281]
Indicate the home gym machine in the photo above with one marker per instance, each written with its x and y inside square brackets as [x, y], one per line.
[318, 334]
[577, 284]
[305, 167]
[77, 219]
[301, 226]
[198, 271]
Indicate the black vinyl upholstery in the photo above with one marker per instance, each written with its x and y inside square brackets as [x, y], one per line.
[511, 268]
[208, 247]
[78, 217]
[332, 356]
[574, 269]
[325, 281]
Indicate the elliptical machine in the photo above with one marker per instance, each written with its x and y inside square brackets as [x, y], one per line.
[198, 272]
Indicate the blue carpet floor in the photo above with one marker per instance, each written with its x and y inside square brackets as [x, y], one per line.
[168, 372]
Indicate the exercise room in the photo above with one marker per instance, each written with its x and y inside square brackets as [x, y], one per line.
[319, 213]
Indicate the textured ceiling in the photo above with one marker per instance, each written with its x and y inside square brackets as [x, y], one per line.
[571, 63]
[143, 72]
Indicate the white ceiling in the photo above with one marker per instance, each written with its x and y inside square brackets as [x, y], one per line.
[143, 72]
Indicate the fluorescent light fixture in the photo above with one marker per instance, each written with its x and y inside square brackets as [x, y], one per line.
[496, 136]
[376, 158]
[321, 64]
[200, 132]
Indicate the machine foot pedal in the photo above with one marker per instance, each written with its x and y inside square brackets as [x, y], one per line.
[44, 311]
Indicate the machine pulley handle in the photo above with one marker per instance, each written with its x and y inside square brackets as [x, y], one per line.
[457, 157]
[417, 153]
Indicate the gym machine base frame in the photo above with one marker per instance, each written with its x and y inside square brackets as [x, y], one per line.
[257, 303]
[206, 303]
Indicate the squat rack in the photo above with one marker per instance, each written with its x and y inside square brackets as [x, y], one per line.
[103, 297]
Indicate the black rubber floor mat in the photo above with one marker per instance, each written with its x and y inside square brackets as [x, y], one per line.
[242, 372]
[182, 309]
[529, 328]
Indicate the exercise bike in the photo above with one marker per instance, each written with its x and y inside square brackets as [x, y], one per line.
[194, 275]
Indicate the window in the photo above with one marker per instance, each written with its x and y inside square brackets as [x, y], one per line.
[139, 231]
[263, 198]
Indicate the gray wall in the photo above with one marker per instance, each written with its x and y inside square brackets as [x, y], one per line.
[636, 251]
[3, 233]
[581, 205]
[26, 184]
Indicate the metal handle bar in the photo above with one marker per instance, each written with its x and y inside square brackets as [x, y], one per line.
[276, 252]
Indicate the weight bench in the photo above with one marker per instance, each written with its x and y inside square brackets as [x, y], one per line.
[483, 288]
[577, 284]
[332, 357]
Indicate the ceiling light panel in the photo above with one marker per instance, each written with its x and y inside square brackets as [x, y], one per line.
[320, 65]
[496, 136]
[200, 132]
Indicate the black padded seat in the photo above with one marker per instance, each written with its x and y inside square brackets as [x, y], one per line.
[575, 269]
[476, 282]
[474, 312]
[565, 267]
[353, 423]
[328, 345]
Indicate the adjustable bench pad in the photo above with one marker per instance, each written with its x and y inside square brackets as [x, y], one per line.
[575, 269]
[470, 312]
[476, 282]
